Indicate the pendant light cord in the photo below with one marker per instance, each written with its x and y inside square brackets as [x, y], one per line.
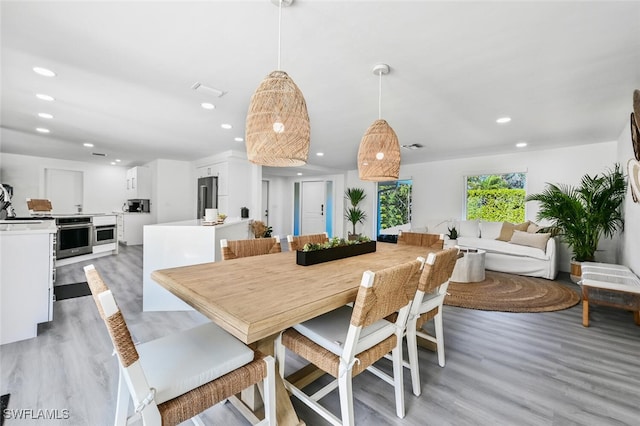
[279, 31]
[380, 96]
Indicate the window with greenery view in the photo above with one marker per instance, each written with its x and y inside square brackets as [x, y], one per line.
[496, 197]
[394, 204]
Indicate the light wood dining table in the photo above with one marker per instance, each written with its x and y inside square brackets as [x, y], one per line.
[255, 298]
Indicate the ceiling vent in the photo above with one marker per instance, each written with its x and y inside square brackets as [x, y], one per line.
[98, 154]
[413, 146]
[199, 87]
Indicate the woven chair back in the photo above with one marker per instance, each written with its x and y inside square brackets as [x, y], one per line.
[116, 325]
[432, 241]
[392, 289]
[434, 275]
[245, 248]
[298, 241]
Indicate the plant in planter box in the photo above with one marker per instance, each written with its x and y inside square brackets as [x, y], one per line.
[354, 214]
[582, 215]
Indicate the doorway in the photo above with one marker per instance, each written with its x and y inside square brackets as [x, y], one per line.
[64, 188]
[265, 202]
[313, 207]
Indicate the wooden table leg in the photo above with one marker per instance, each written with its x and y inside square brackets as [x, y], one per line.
[285, 413]
[636, 317]
[585, 306]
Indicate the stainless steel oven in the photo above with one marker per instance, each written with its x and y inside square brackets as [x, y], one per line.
[75, 236]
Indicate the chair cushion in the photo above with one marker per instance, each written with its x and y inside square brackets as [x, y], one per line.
[180, 362]
[330, 330]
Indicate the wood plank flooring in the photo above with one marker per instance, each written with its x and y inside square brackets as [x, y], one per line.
[502, 368]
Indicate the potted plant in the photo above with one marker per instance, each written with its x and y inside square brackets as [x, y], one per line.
[353, 213]
[452, 236]
[582, 215]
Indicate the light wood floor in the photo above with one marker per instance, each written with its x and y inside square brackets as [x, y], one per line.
[502, 368]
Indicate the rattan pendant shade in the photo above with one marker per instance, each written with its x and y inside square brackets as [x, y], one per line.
[277, 127]
[379, 153]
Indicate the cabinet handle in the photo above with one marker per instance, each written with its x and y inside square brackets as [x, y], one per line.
[321, 209]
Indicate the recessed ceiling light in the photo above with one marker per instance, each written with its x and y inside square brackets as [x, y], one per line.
[238, 139]
[88, 145]
[207, 105]
[113, 163]
[521, 144]
[299, 174]
[226, 126]
[44, 97]
[118, 160]
[319, 154]
[45, 115]
[42, 130]
[503, 120]
[44, 71]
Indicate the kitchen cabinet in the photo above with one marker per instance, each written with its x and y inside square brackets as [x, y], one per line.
[26, 278]
[131, 227]
[139, 183]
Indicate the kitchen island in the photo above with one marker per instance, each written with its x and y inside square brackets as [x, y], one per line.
[27, 256]
[188, 242]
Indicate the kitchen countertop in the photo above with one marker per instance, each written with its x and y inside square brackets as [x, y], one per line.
[28, 227]
[198, 222]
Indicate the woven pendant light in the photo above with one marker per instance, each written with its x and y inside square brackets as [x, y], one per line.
[277, 128]
[379, 151]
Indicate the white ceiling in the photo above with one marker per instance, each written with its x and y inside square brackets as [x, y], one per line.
[564, 71]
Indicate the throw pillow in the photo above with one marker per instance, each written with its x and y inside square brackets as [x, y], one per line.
[524, 238]
[508, 228]
[533, 228]
[469, 228]
[490, 230]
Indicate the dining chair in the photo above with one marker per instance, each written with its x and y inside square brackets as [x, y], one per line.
[346, 341]
[427, 305]
[177, 377]
[297, 242]
[234, 249]
[432, 241]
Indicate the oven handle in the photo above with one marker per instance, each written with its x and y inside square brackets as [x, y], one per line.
[83, 225]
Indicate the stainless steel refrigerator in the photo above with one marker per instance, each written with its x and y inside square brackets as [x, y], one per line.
[207, 194]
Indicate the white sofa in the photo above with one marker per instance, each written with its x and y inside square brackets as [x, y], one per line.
[502, 256]
[519, 255]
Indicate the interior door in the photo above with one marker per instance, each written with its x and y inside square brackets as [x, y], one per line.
[265, 202]
[313, 208]
[64, 189]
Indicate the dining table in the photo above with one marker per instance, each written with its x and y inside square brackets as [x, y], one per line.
[256, 298]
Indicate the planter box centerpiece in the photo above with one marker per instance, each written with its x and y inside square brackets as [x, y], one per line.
[334, 249]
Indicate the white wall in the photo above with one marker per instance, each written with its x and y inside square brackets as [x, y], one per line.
[104, 188]
[630, 238]
[438, 187]
[172, 189]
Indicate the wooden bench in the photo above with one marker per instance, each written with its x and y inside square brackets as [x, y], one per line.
[609, 285]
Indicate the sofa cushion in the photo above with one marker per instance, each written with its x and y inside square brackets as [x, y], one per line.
[469, 228]
[490, 230]
[507, 230]
[503, 247]
[531, 240]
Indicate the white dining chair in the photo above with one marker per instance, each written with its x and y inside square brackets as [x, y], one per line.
[347, 341]
[176, 377]
[426, 306]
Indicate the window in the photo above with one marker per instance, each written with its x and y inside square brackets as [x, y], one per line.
[394, 204]
[498, 197]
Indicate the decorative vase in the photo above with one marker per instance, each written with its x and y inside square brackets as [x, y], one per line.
[576, 271]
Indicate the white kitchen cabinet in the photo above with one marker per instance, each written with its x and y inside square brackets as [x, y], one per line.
[26, 279]
[131, 227]
[139, 183]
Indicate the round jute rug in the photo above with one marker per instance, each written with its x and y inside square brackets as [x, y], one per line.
[511, 293]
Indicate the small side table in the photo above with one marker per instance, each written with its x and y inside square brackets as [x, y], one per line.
[610, 285]
[470, 267]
